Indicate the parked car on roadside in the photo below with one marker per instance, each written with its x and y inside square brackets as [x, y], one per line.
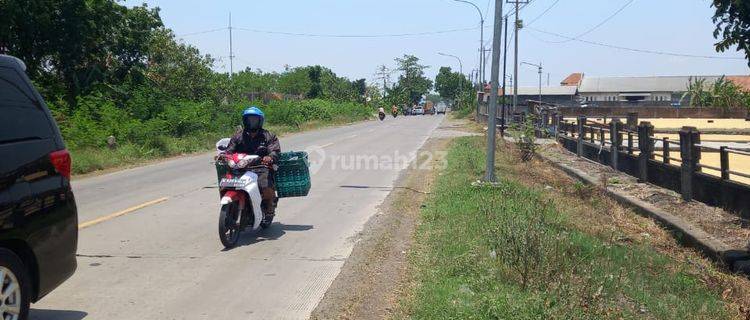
[418, 110]
[38, 215]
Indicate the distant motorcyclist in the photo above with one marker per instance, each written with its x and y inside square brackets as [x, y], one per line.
[255, 140]
[394, 110]
[381, 113]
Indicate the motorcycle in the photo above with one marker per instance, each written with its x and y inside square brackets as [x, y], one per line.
[240, 194]
[381, 115]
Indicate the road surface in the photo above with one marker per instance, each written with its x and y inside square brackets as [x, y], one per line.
[150, 247]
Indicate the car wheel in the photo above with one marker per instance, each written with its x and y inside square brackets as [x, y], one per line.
[15, 287]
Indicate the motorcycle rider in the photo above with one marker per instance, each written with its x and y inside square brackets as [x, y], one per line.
[255, 140]
[394, 109]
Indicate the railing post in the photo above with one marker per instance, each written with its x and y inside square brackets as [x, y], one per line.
[690, 154]
[592, 134]
[630, 142]
[632, 121]
[614, 135]
[665, 149]
[555, 124]
[646, 147]
[581, 122]
[724, 158]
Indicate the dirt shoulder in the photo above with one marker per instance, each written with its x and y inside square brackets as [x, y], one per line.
[375, 276]
[724, 226]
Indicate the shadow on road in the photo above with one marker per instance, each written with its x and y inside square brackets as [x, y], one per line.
[41, 314]
[275, 231]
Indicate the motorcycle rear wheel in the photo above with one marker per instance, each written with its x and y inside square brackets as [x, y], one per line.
[229, 224]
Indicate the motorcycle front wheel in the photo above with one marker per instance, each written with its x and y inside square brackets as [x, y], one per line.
[229, 224]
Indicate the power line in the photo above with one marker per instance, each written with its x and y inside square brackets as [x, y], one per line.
[519, 9]
[391, 35]
[201, 32]
[543, 13]
[658, 52]
[601, 23]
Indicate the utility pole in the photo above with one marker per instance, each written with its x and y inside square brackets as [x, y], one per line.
[505, 89]
[486, 53]
[497, 36]
[231, 52]
[383, 74]
[515, 58]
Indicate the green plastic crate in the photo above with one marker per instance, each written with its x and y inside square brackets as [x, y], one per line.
[293, 175]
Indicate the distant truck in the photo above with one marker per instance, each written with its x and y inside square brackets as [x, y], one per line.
[428, 107]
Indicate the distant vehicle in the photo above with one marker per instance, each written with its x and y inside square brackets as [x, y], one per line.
[38, 214]
[418, 110]
[441, 107]
[428, 107]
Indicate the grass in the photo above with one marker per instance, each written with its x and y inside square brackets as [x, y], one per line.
[90, 159]
[510, 252]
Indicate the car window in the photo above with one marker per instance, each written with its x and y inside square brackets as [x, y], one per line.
[22, 118]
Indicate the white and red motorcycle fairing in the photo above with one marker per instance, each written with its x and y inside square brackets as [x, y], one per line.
[241, 189]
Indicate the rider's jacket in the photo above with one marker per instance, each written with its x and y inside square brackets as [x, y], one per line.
[241, 142]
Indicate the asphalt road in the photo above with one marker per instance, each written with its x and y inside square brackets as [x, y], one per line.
[151, 249]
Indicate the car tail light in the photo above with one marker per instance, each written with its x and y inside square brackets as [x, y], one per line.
[61, 160]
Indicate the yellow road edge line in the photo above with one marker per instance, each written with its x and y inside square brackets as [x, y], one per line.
[120, 213]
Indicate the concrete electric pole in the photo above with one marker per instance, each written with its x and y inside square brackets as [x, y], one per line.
[519, 25]
[497, 37]
[383, 74]
[231, 51]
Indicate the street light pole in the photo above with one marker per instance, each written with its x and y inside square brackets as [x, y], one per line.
[460, 64]
[497, 37]
[480, 76]
[540, 79]
[460, 69]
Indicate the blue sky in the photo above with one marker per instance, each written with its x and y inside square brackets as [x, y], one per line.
[681, 26]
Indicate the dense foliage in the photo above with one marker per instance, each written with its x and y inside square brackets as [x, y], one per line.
[110, 70]
[723, 94]
[450, 84]
[412, 83]
[732, 18]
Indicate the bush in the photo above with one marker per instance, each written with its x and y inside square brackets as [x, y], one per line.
[179, 126]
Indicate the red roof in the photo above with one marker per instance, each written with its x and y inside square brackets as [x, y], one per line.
[742, 81]
[574, 79]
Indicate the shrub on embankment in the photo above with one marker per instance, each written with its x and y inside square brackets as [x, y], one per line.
[179, 127]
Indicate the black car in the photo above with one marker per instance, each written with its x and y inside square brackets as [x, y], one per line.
[38, 215]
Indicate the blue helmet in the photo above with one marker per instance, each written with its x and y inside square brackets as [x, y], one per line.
[253, 118]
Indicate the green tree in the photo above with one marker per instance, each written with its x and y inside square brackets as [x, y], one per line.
[697, 93]
[412, 83]
[295, 81]
[78, 43]
[732, 19]
[451, 84]
[316, 90]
